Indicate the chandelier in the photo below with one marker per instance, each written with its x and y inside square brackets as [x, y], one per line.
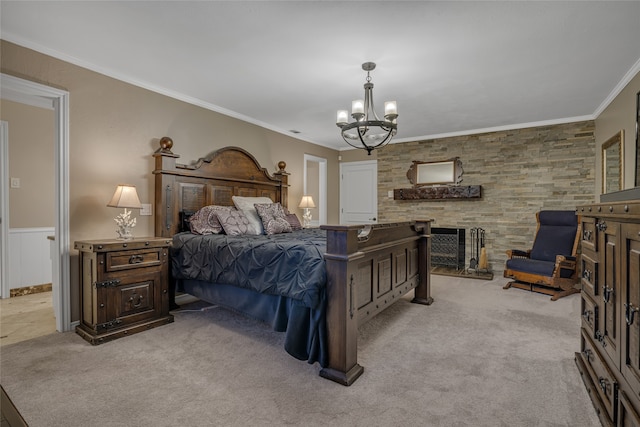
[368, 132]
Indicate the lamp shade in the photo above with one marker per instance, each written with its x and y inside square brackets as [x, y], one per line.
[307, 202]
[125, 196]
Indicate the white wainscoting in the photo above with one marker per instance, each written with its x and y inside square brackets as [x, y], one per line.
[29, 256]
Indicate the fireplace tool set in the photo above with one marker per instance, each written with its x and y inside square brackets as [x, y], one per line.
[478, 262]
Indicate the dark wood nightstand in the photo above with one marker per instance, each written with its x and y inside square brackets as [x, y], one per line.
[124, 287]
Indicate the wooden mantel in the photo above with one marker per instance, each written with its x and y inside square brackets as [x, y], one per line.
[443, 192]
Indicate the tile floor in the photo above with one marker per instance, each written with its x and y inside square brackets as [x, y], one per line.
[25, 317]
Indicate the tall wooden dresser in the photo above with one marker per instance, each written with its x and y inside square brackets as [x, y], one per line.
[609, 358]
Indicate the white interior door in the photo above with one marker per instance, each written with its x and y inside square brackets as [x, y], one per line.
[359, 192]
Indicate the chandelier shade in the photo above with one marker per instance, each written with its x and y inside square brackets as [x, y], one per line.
[368, 131]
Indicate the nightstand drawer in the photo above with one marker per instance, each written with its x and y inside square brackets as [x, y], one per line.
[125, 260]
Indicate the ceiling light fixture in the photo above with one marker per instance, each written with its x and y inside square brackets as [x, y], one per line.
[368, 132]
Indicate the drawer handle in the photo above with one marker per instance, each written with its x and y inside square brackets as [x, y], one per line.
[586, 235]
[586, 274]
[601, 226]
[600, 338]
[587, 354]
[136, 304]
[607, 291]
[136, 259]
[588, 315]
[604, 384]
[629, 313]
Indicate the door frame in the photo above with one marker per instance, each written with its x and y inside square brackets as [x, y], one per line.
[4, 211]
[25, 91]
[322, 185]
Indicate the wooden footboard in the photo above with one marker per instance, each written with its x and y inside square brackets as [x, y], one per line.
[368, 269]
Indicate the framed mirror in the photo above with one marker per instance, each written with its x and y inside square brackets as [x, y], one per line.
[435, 173]
[613, 163]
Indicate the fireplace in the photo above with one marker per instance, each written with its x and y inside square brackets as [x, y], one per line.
[448, 247]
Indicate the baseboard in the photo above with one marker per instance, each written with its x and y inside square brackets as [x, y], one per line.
[28, 290]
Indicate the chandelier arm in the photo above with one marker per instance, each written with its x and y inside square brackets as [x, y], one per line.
[368, 100]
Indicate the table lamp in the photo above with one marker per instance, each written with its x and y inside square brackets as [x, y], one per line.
[306, 203]
[125, 197]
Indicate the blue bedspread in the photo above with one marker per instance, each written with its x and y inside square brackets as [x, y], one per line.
[290, 264]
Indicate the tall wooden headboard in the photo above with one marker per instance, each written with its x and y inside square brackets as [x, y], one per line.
[212, 180]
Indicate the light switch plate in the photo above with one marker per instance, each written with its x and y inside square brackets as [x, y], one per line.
[15, 182]
[146, 209]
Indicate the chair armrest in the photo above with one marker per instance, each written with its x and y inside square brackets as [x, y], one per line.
[565, 263]
[515, 253]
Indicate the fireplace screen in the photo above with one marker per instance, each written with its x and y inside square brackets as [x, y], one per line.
[448, 247]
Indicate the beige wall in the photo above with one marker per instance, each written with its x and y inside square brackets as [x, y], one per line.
[31, 153]
[619, 114]
[114, 129]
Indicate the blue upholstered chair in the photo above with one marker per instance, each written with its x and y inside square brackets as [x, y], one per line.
[550, 267]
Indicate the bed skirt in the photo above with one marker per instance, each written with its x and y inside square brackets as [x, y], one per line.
[305, 328]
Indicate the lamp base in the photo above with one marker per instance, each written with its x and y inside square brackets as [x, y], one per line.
[124, 233]
[306, 218]
[125, 224]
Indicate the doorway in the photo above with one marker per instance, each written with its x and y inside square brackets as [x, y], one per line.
[315, 185]
[24, 91]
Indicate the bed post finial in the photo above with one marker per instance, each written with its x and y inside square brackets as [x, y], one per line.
[282, 165]
[165, 145]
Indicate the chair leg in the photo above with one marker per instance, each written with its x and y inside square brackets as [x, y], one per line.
[564, 293]
[556, 293]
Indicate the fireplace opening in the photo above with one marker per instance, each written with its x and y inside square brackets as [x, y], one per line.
[448, 247]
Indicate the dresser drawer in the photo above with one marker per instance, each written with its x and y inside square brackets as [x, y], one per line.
[604, 381]
[589, 314]
[126, 260]
[589, 234]
[589, 275]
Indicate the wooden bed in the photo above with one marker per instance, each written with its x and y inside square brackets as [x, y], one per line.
[368, 267]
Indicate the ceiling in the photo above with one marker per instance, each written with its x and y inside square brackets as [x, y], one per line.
[453, 67]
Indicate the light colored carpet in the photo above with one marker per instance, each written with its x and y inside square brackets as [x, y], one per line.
[479, 356]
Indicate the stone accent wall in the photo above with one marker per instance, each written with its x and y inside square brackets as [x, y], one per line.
[521, 172]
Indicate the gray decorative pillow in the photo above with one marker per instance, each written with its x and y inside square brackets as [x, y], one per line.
[205, 220]
[293, 221]
[273, 218]
[245, 204]
[234, 222]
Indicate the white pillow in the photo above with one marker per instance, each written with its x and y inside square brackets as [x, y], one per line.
[245, 204]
